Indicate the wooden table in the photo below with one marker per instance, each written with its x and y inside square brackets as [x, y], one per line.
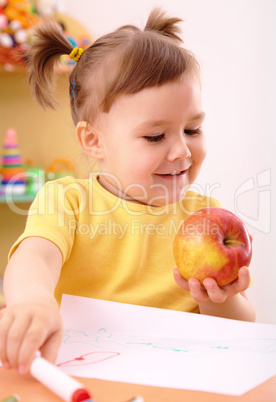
[30, 390]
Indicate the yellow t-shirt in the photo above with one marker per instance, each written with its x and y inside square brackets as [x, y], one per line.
[112, 249]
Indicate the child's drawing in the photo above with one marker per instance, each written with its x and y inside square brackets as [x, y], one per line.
[140, 345]
[107, 345]
[89, 358]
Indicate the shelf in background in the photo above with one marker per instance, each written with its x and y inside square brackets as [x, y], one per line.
[15, 70]
[16, 198]
[19, 70]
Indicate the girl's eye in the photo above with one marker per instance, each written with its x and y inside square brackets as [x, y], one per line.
[193, 132]
[154, 138]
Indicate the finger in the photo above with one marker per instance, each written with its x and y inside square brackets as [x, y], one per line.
[180, 280]
[198, 293]
[243, 280]
[5, 323]
[34, 338]
[15, 337]
[50, 348]
[215, 293]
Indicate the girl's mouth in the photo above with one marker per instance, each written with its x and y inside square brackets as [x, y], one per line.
[173, 174]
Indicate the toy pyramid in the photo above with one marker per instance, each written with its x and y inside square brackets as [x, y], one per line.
[12, 171]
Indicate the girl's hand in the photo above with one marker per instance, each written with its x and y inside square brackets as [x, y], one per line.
[26, 328]
[210, 291]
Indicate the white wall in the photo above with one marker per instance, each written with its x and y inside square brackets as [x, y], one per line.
[235, 43]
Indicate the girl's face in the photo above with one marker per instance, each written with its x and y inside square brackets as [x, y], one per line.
[152, 143]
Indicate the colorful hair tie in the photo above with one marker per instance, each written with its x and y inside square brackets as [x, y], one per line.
[76, 54]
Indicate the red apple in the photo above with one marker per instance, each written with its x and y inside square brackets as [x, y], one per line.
[212, 243]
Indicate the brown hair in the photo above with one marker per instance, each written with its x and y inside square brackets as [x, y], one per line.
[122, 62]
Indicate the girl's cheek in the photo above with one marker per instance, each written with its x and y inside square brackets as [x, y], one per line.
[202, 148]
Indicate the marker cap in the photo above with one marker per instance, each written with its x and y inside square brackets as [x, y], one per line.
[80, 395]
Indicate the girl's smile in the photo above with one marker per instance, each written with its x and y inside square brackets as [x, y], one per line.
[151, 143]
[174, 174]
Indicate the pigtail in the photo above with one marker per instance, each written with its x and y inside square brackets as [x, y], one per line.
[124, 61]
[158, 21]
[46, 47]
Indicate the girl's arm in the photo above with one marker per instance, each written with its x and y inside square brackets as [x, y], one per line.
[31, 321]
[230, 301]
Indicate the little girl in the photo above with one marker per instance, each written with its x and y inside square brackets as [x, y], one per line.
[136, 103]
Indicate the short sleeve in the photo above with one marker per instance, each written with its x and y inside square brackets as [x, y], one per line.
[53, 215]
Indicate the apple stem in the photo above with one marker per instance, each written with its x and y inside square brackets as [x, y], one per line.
[233, 243]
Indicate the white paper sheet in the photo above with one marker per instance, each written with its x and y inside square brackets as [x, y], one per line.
[143, 345]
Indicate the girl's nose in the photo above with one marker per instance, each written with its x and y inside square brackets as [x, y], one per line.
[179, 150]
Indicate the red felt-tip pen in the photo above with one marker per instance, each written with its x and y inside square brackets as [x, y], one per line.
[57, 381]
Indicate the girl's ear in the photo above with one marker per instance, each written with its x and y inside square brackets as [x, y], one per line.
[89, 140]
